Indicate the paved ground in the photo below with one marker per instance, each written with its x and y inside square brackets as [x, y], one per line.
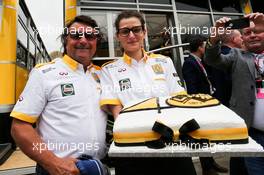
[223, 161]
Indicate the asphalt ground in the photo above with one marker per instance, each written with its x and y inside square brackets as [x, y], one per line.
[221, 160]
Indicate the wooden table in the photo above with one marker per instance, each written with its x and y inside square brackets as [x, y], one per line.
[252, 149]
[18, 164]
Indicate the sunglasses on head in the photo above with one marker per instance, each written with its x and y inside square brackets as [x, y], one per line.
[126, 31]
[79, 35]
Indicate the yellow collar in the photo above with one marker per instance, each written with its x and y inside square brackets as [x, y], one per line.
[128, 60]
[93, 66]
[74, 64]
[70, 62]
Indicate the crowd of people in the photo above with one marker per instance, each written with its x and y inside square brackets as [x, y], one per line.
[70, 97]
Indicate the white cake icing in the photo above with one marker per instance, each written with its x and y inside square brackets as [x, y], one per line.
[217, 117]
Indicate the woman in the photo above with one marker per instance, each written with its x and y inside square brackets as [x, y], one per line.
[135, 77]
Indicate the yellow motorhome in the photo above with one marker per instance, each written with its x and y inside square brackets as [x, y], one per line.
[20, 49]
[69, 10]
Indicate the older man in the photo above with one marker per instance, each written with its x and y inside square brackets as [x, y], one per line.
[247, 72]
[62, 97]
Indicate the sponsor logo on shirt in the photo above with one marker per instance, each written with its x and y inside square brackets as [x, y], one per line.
[20, 98]
[110, 66]
[67, 89]
[162, 60]
[124, 84]
[95, 77]
[63, 73]
[157, 68]
[48, 70]
[122, 70]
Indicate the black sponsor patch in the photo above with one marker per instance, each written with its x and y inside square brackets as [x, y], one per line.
[124, 84]
[67, 89]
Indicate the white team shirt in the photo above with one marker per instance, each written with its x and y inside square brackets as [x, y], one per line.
[125, 81]
[64, 101]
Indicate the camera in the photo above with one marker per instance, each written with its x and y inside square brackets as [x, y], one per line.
[237, 23]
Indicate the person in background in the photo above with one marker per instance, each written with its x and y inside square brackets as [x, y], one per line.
[135, 77]
[222, 80]
[197, 81]
[247, 72]
[62, 98]
[231, 39]
[193, 70]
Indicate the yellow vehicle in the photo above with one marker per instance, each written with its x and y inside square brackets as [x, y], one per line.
[21, 47]
[69, 10]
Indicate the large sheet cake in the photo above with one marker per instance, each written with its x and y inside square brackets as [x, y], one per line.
[196, 118]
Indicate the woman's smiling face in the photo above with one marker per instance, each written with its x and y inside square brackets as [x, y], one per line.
[131, 34]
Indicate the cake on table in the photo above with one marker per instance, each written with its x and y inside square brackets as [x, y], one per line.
[197, 118]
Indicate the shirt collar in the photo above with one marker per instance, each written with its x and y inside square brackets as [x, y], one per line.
[89, 68]
[70, 62]
[128, 60]
[196, 57]
[74, 64]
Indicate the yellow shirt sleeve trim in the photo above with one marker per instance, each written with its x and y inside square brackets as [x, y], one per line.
[24, 117]
[110, 102]
[43, 64]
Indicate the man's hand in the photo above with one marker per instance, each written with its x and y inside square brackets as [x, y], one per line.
[29, 141]
[219, 29]
[258, 19]
[63, 166]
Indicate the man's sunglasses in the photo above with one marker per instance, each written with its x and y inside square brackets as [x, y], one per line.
[126, 31]
[79, 35]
